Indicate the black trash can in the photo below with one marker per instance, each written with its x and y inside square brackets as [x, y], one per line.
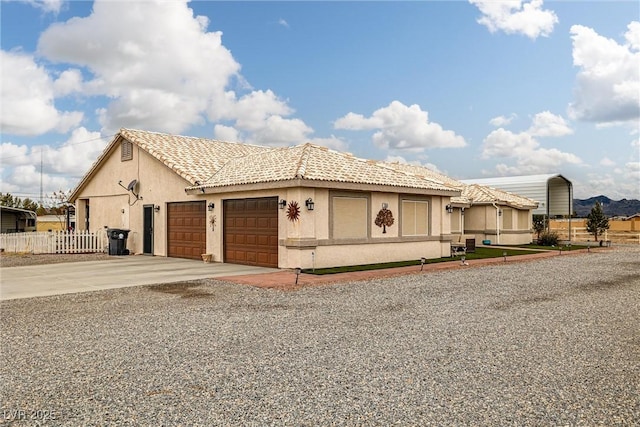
[118, 241]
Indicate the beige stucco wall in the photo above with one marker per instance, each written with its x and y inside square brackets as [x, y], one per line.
[480, 220]
[302, 248]
[112, 206]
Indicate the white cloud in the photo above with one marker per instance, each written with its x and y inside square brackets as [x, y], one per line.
[53, 6]
[516, 17]
[548, 124]
[282, 22]
[164, 71]
[607, 162]
[402, 128]
[258, 117]
[77, 154]
[624, 184]
[15, 155]
[529, 156]
[226, 133]
[501, 121]
[27, 94]
[62, 166]
[69, 81]
[276, 130]
[160, 67]
[608, 83]
[332, 142]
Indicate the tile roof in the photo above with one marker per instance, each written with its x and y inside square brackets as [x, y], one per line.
[314, 163]
[194, 159]
[430, 174]
[209, 163]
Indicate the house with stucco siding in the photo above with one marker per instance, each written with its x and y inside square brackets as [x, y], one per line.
[302, 206]
[482, 212]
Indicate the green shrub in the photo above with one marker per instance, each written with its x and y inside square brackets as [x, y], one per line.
[549, 238]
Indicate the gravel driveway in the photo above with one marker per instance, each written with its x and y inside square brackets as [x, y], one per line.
[551, 342]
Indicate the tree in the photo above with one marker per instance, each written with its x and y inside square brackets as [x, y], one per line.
[540, 223]
[597, 222]
[8, 200]
[16, 202]
[59, 204]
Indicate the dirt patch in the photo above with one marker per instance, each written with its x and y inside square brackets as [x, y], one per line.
[184, 290]
[613, 283]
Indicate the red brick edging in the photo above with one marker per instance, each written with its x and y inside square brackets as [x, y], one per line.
[286, 279]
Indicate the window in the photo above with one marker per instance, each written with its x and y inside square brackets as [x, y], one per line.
[126, 151]
[415, 218]
[507, 219]
[456, 220]
[523, 220]
[350, 219]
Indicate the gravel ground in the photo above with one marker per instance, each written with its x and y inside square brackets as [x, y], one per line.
[551, 342]
[10, 259]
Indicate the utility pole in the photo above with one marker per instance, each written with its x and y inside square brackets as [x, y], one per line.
[41, 197]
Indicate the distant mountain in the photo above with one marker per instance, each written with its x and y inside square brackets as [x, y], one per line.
[611, 208]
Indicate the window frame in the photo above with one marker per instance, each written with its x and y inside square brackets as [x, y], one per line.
[349, 195]
[428, 204]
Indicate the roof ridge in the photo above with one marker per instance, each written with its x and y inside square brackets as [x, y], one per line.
[389, 165]
[301, 167]
[193, 138]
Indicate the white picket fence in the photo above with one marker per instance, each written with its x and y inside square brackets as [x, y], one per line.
[56, 242]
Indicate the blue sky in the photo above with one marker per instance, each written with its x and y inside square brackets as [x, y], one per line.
[473, 89]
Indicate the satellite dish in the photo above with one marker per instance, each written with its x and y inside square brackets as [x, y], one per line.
[132, 185]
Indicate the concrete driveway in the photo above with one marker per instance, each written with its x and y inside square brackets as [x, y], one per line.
[119, 272]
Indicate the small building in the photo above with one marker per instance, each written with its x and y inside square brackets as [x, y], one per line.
[484, 213]
[553, 192]
[15, 220]
[60, 222]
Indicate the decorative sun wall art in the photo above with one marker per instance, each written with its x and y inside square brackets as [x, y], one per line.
[384, 219]
[293, 211]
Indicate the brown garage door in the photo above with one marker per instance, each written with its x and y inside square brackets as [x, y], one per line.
[186, 229]
[251, 231]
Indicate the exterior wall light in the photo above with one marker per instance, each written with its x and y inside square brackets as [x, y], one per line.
[282, 203]
[449, 208]
[156, 208]
[309, 204]
[462, 211]
[210, 206]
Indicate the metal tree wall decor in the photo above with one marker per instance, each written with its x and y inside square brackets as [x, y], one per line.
[293, 211]
[212, 222]
[384, 219]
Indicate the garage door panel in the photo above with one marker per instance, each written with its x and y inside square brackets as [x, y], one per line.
[186, 233]
[251, 231]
